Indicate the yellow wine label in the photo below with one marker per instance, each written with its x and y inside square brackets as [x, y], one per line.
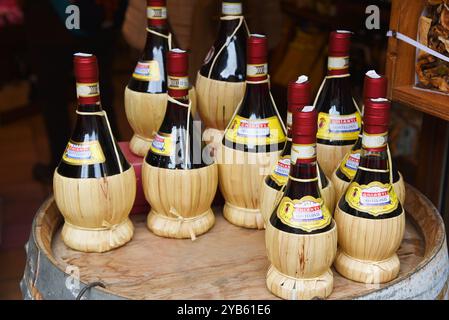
[374, 198]
[83, 153]
[163, 144]
[308, 213]
[338, 127]
[350, 163]
[281, 170]
[147, 71]
[255, 131]
[86, 90]
[157, 13]
[256, 70]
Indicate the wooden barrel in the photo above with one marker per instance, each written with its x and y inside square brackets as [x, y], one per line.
[227, 262]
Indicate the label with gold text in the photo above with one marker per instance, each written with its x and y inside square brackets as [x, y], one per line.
[338, 127]
[280, 171]
[255, 131]
[308, 213]
[157, 13]
[374, 198]
[350, 163]
[83, 153]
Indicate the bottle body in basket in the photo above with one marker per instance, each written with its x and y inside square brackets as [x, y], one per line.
[369, 216]
[301, 236]
[178, 183]
[339, 119]
[94, 185]
[221, 80]
[299, 96]
[252, 142]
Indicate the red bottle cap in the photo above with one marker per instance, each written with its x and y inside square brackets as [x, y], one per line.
[177, 63]
[298, 94]
[376, 116]
[86, 68]
[339, 43]
[374, 86]
[156, 3]
[305, 126]
[257, 49]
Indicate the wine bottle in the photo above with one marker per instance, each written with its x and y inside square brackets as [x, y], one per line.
[339, 120]
[145, 94]
[299, 95]
[177, 182]
[173, 145]
[370, 217]
[375, 86]
[252, 141]
[221, 79]
[93, 171]
[302, 221]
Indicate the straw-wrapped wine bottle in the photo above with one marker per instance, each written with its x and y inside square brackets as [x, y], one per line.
[375, 86]
[177, 181]
[301, 236]
[369, 216]
[94, 186]
[146, 92]
[252, 142]
[299, 96]
[220, 82]
[339, 118]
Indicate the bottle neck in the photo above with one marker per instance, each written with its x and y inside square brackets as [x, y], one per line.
[337, 66]
[303, 161]
[157, 17]
[231, 8]
[257, 72]
[88, 93]
[374, 151]
[178, 87]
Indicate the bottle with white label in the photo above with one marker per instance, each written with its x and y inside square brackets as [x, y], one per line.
[369, 216]
[299, 95]
[252, 142]
[176, 180]
[94, 185]
[145, 94]
[339, 119]
[221, 80]
[375, 86]
[301, 223]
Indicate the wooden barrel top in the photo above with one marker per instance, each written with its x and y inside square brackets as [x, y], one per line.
[226, 263]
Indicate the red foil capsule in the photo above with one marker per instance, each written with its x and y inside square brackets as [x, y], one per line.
[177, 70]
[156, 12]
[256, 52]
[86, 75]
[339, 43]
[298, 94]
[305, 126]
[376, 117]
[374, 86]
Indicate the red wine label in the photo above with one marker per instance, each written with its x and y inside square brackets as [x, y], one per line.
[338, 63]
[338, 127]
[303, 153]
[83, 153]
[87, 90]
[162, 144]
[308, 213]
[281, 170]
[256, 70]
[374, 141]
[147, 71]
[255, 131]
[157, 13]
[375, 198]
[231, 8]
[178, 83]
[350, 163]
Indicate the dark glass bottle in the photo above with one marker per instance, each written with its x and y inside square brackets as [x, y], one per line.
[298, 97]
[169, 149]
[256, 127]
[92, 151]
[150, 72]
[301, 209]
[371, 194]
[228, 64]
[339, 121]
